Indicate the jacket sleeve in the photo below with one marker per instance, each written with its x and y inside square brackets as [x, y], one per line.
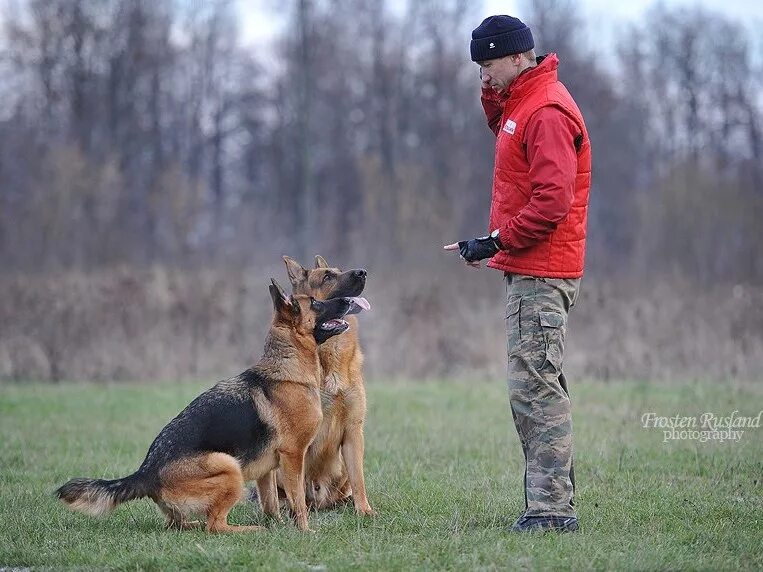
[550, 145]
[492, 103]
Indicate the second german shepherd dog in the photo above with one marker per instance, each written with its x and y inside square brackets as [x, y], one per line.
[241, 429]
[334, 462]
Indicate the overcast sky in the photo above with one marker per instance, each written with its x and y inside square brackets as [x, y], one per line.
[260, 21]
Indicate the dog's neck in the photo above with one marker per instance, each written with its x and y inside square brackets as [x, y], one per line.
[283, 360]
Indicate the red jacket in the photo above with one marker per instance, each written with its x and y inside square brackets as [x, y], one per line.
[542, 175]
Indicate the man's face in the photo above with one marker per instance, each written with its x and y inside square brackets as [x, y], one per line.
[500, 72]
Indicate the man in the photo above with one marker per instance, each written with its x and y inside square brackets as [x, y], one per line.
[536, 237]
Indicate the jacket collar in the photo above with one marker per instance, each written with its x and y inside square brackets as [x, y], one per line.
[532, 78]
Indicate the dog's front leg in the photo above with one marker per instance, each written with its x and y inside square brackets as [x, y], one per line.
[353, 446]
[293, 464]
[268, 493]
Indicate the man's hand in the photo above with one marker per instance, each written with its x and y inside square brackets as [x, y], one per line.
[454, 246]
[476, 249]
[485, 83]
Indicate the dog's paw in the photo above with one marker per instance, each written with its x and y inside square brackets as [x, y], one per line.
[365, 510]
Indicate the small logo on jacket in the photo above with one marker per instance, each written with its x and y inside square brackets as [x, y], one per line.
[509, 127]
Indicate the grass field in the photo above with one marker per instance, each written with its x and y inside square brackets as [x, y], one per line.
[444, 472]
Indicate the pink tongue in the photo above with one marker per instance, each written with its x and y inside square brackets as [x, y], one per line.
[362, 302]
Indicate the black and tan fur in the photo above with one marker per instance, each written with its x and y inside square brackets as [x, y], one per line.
[334, 462]
[241, 429]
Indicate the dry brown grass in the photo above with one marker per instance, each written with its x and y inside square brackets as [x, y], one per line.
[443, 321]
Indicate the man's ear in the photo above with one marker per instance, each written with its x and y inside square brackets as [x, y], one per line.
[280, 301]
[294, 270]
[320, 262]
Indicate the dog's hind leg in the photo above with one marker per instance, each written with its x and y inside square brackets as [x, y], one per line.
[341, 492]
[212, 483]
[330, 493]
[227, 489]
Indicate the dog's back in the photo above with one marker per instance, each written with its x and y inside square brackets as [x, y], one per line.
[224, 418]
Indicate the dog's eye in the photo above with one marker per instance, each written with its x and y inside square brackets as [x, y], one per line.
[327, 277]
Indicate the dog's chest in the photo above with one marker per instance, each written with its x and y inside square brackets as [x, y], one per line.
[329, 437]
[331, 388]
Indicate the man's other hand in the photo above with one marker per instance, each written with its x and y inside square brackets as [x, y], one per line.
[454, 246]
[476, 249]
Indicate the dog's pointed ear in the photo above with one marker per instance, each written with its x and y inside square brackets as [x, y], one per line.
[320, 262]
[294, 270]
[280, 300]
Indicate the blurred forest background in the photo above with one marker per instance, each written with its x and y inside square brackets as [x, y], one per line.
[153, 170]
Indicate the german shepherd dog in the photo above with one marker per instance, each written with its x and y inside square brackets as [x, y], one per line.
[241, 429]
[334, 462]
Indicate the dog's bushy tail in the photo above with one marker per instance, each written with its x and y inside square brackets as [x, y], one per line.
[98, 497]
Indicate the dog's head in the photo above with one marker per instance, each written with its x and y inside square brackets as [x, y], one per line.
[313, 319]
[323, 282]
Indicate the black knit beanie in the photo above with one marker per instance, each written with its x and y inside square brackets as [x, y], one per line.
[500, 36]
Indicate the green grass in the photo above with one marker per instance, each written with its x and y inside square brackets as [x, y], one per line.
[444, 472]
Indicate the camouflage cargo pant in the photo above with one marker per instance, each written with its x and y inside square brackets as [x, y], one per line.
[536, 322]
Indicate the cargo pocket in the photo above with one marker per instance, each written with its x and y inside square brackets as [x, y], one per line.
[513, 323]
[553, 333]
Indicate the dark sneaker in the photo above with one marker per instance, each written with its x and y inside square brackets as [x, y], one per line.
[544, 523]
